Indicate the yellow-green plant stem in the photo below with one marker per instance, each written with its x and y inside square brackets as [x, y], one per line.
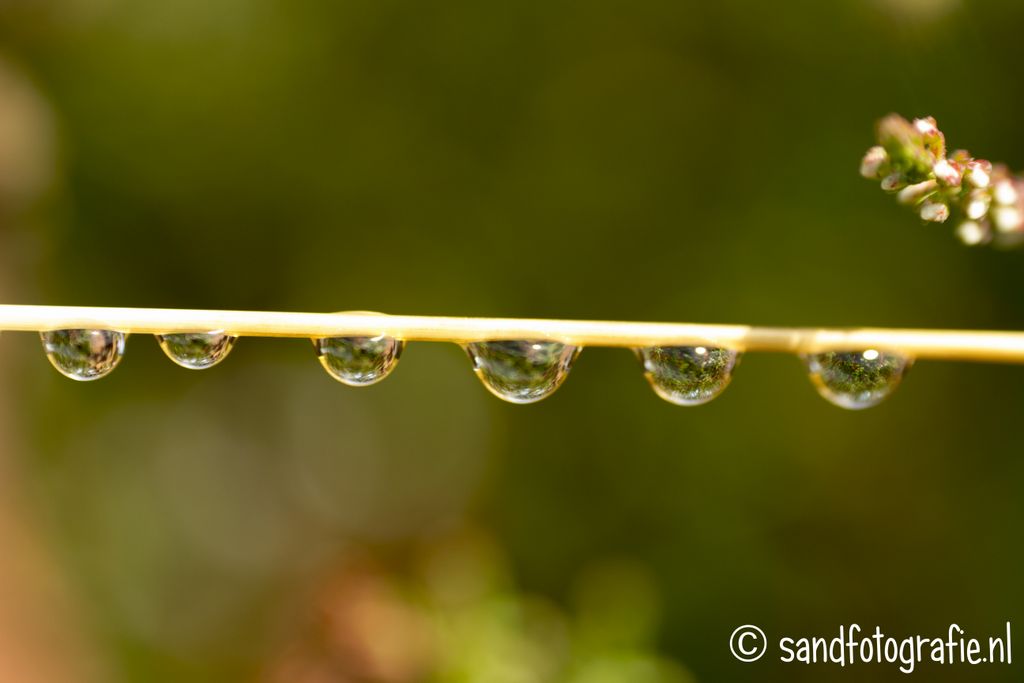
[941, 344]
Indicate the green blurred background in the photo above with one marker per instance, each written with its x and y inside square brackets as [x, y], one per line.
[676, 161]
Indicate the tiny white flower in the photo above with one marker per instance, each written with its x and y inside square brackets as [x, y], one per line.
[935, 212]
[1005, 193]
[971, 232]
[1006, 218]
[977, 207]
[978, 176]
[872, 161]
[946, 173]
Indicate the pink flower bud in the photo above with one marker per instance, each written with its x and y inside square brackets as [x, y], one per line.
[947, 173]
[912, 194]
[871, 164]
[933, 139]
[926, 126]
[960, 156]
[893, 182]
[935, 212]
[978, 175]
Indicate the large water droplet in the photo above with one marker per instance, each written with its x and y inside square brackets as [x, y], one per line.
[359, 361]
[83, 355]
[522, 371]
[856, 379]
[688, 375]
[197, 350]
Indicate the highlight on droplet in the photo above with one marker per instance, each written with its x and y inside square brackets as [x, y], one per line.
[84, 355]
[522, 371]
[857, 379]
[197, 350]
[688, 375]
[359, 361]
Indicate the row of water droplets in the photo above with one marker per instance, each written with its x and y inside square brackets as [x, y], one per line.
[518, 371]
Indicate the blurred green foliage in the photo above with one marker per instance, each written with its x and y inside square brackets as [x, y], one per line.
[653, 161]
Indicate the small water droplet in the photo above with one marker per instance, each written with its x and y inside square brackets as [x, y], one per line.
[359, 361]
[197, 350]
[856, 379]
[688, 375]
[522, 371]
[83, 355]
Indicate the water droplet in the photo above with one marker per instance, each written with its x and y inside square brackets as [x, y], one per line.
[856, 379]
[359, 361]
[197, 350]
[83, 355]
[688, 375]
[522, 371]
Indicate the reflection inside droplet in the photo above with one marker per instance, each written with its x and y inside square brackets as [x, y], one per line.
[359, 361]
[197, 350]
[83, 355]
[856, 379]
[522, 371]
[688, 375]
